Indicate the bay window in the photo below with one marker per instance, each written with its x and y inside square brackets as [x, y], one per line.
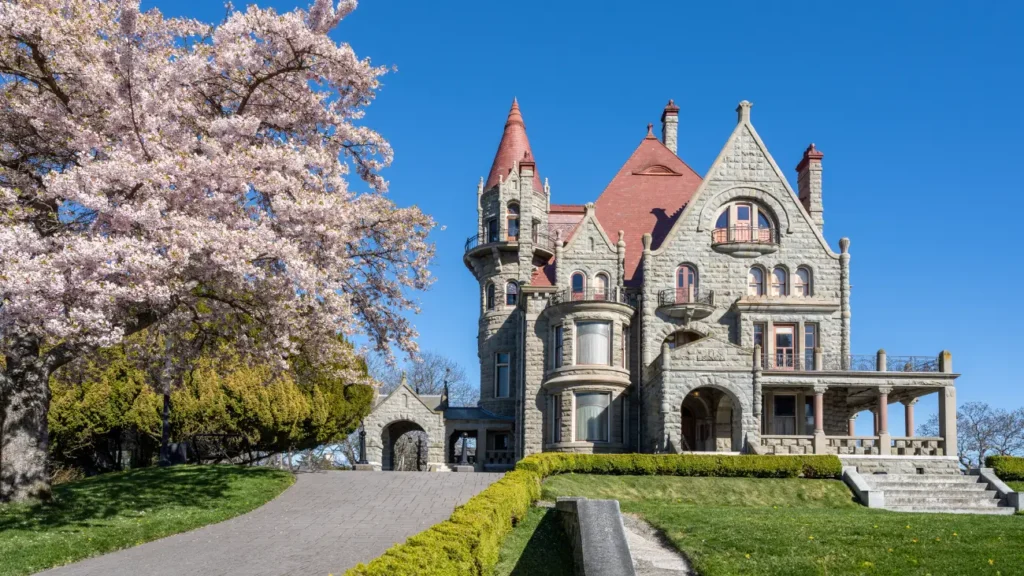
[592, 416]
[593, 343]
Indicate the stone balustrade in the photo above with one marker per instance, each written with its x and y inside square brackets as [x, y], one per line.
[918, 446]
[787, 444]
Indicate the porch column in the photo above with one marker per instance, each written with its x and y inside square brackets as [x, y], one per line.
[908, 410]
[947, 419]
[820, 443]
[851, 426]
[883, 421]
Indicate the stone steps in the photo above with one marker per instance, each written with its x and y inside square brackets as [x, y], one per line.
[937, 493]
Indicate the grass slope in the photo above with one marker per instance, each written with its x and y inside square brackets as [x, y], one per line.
[794, 527]
[537, 546]
[114, 511]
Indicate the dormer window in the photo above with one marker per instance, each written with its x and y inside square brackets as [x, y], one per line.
[578, 284]
[513, 222]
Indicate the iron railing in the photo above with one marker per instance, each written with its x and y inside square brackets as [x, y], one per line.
[674, 296]
[613, 294]
[744, 235]
[539, 239]
[788, 360]
[869, 363]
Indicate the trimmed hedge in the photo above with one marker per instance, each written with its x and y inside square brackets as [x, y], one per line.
[468, 542]
[1009, 468]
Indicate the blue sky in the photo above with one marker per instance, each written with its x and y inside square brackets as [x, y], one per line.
[914, 104]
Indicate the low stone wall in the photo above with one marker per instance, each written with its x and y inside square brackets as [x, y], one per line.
[597, 537]
[918, 446]
[902, 464]
[787, 444]
[852, 445]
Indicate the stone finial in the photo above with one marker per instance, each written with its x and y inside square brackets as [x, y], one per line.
[650, 131]
[743, 112]
[480, 187]
[622, 240]
[844, 245]
[647, 241]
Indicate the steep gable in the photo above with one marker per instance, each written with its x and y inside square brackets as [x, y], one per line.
[646, 196]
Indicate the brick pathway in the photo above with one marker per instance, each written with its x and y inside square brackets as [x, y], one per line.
[324, 524]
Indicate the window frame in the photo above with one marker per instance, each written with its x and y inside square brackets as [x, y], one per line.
[810, 329]
[498, 365]
[760, 287]
[801, 286]
[490, 296]
[572, 286]
[555, 418]
[602, 286]
[558, 346]
[608, 416]
[493, 233]
[511, 293]
[783, 287]
[776, 417]
[692, 283]
[578, 348]
[512, 214]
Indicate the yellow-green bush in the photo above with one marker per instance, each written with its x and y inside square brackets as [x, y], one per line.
[1007, 468]
[467, 544]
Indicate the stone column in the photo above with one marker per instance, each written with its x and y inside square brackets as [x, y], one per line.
[883, 421]
[844, 301]
[947, 419]
[908, 410]
[851, 426]
[820, 443]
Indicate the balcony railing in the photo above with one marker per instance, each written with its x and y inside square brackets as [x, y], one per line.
[674, 296]
[800, 361]
[539, 239]
[613, 294]
[744, 235]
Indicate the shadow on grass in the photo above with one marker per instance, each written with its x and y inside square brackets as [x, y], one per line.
[548, 552]
[83, 503]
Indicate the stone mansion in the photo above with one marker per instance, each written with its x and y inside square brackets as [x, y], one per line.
[676, 312]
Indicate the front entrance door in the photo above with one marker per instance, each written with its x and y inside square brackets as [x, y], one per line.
[686, 285]
[785, 347]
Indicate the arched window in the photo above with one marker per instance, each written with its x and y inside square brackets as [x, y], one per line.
[511, 293]
[743, 222]
[686, 284]
[780, 282]
[802, 282]
[755, 282]
[579, 285]
[491, 297]
[513, 222]
[677, 339]
[601, 286]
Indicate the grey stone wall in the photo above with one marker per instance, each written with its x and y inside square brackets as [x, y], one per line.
[403, 405]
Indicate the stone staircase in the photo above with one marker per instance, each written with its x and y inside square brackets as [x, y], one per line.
[948, 493]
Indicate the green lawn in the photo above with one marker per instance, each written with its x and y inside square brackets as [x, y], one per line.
[793, 527]
[113, 511]
[1017, 486]
[537, 546]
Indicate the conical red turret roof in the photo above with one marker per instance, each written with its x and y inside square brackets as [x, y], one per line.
[514, 146]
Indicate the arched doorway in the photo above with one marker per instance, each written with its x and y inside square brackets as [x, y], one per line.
[406, 446]
[710, 421]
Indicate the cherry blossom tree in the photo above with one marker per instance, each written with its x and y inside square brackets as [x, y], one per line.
[167, 174]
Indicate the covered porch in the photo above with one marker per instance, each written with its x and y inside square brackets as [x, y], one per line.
[814, 411]
[489, 439]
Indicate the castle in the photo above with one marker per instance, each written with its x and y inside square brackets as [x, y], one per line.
[675, 313]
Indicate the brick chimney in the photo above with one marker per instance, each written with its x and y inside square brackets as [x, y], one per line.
[808, 182]
[670, 127]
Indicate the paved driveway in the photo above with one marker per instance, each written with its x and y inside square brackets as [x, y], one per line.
[324, 524]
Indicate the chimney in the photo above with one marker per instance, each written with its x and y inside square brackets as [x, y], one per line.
[808, 182]
[670, 127]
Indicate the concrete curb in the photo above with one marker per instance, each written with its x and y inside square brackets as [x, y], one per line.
[867, 496]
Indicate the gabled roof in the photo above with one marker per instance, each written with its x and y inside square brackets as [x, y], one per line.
[513, 148]
[646, 196]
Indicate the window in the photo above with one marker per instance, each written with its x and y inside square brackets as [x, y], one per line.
[785, 347]
[593, 343]
[491, 297]
[625, 347]
[502, 441]
[501, 375]
[559, 346]
[535, 231]
[555, 417]
[579, 285]
[784, 421]
[492, 230]
[743, 222]
[592, 415]
[780, 282]
[759, 336]
[601, 287]
[809, 415]
[513, 222]
[755, 282]
[810, 343]
[511, 294]
[802, 282]
[686, 284]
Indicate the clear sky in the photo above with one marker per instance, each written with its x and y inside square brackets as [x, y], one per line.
[916, 106]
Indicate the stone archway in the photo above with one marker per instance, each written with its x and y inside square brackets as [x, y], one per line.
[406, 446]
[710, 421]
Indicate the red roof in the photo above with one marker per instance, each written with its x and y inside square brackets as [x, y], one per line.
[647, 195]
[513, 148]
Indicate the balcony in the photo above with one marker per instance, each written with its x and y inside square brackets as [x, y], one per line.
[809, 361]
[745, 241]
[543, 245]
[687, 303]
[614, 295]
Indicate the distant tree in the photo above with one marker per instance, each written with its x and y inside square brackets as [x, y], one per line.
[981, 431]
[426, 374]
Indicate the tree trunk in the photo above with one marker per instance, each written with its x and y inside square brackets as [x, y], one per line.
[24, 436]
